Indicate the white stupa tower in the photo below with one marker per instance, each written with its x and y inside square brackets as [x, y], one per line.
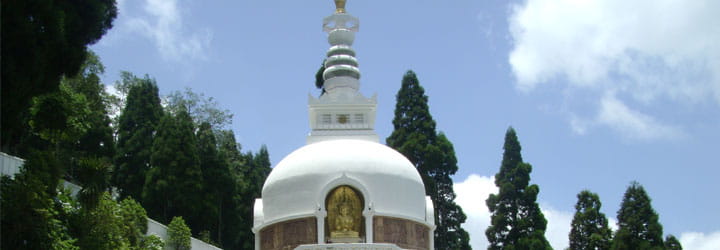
[342, 111]
[343, 190]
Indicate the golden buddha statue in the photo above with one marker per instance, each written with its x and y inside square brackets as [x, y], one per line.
[344, 214]
[344, 222]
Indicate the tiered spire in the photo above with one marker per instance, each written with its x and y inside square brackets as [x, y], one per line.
[341, 67]
[342, 112]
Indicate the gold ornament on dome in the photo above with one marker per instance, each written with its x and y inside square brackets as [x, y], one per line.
[339, 6]
[344, 207]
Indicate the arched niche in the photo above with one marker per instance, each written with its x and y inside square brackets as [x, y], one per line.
[344, 222]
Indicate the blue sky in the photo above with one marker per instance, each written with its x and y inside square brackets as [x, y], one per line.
[601, 92]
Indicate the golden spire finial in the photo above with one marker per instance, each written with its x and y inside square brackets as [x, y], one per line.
[339, 6]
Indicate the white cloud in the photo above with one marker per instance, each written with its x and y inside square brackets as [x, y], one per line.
[648, 50]
[700, 241]
[617, 115]
[471, 196]
[558, 226]
[161, 21]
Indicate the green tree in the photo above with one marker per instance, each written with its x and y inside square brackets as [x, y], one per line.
[235, 229]
[43, 40]
[136, 130]
[589, 228]
[217, 181]
[93, 176]
[319, 79]
[449, 233]
[256, 171]
[29, 215]
[200, 108]
[97, 141]
[433, 155]
[638, 226]
[110, 225]
[173, 185]
[672, 243]
[134, 222]
[516, 219]
[101, 227]
[178, 234]
[152, 242]
[89, 155]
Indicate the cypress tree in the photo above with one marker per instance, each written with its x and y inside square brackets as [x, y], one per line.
[174, 182]
[414, 136]
[217, 182]
[414, 129]
[256, 171]
[136, 129]
[449, 233]
[237, 224]
[516, 219]
[638, 226]
[589, 228]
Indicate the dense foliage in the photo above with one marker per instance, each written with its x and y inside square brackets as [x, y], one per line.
[135, 132]
[42, 41]
[589, 229]
[178, 234]
[174, 181]
[516, 219]
[192, 170]
[31, 218]
[638, 225]
[433, 155]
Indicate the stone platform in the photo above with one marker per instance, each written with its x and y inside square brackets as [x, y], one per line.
[350, 246]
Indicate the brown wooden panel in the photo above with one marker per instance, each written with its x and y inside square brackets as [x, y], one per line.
[289, 234]
[403, 233]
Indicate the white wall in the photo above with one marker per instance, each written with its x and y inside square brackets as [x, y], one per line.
[10, 165]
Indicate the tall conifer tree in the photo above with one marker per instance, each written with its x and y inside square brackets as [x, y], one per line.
[174, 181]
[237, 224]
[589, 228]
[256, 171]
[414, 136]
[136, 129]
[516, 219]
[217, 182]
[449, 233]
[638, 226]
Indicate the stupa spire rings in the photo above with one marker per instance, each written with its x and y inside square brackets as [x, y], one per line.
[340, 6]
[341, 67]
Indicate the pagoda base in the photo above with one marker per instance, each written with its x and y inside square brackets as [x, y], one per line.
[350, 246]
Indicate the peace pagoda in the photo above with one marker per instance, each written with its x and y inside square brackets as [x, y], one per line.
[343, 190]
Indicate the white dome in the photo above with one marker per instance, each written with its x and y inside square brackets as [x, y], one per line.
[298, 185]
